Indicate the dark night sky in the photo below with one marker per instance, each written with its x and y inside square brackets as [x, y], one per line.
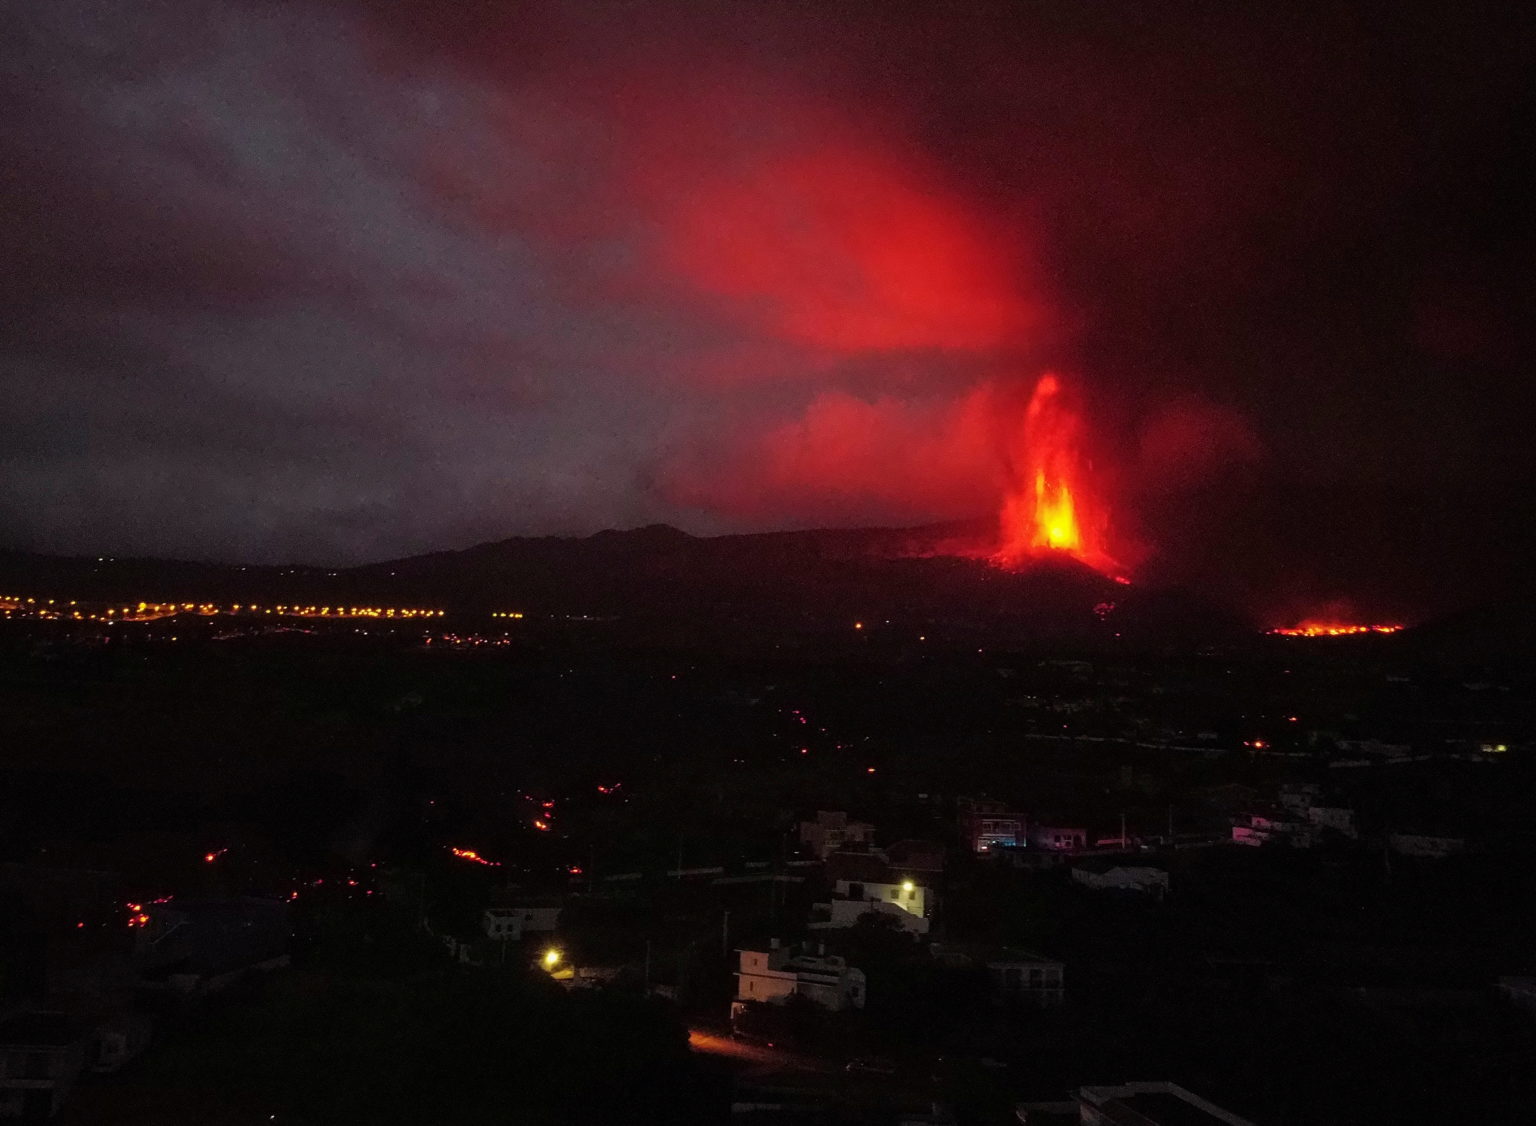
[341, 281]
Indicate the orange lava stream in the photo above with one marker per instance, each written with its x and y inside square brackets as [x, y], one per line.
[1331, 629]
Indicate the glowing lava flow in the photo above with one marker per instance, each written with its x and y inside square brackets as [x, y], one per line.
[1331, 629]
[1047, 509]
[474, 857]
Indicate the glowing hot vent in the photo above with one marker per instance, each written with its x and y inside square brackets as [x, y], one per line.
[1047, 509]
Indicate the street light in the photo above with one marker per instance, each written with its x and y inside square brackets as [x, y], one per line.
[551, 958]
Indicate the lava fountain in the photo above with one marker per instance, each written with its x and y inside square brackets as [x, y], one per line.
[1048, 509]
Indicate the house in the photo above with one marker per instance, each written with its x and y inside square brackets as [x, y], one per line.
[988, 825]
[511, 923]
[1274, 828]
[832, 831]
[117, 1038]
[866, 883]
[775, 975]
[1015, 976]
[1414, 844]
[1056, 838]
[1131, 1104]
[1227, 799]
[1298, 797]
[1377, 748]
[1140, 878]
[840, 913]
[204, 945]
[1519, 991]
[918, 857]
[1338, 818]
[41, 1057]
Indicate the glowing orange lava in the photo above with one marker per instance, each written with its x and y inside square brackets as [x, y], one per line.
[1331, 629]
[1047, 509]
[474, 857]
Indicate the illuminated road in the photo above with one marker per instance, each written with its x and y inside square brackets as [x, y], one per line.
[761, 1056]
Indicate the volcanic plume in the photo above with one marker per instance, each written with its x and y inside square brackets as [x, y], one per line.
[1049, 507]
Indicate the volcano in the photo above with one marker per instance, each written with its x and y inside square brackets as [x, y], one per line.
[662, 579]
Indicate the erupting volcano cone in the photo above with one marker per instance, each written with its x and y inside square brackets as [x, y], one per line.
[1048, 510]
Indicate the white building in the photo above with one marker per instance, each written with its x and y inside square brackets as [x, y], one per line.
[865, 883]
[1519, 991]
[1298, 797]
[832, 831]
[1015, 975]
[41, 1057]
[775, 975]
[1150, 1104]
[1123, 877]
[1058, 838]
[510, 924]
[1336, 817]
[1256, 829]
[1414, 844]
[847, 912]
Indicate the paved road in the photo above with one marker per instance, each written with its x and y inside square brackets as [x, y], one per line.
[763, 1058]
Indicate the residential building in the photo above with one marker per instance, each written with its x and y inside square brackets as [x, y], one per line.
[1377, 748]
[832, 831]
[1130, 1104]
[1338, 818]
[775, 975]
[117, 1038]
[1415, 844]
[41, 1057]
[1140, 878]
[838, 913]
[204, 945]
[987, 825]
[925, 858]
[1519, 991]
[865, 883]
[1016, 976]
[511, 923]
[1298, 797]
[1058, 838]
[1255, 829]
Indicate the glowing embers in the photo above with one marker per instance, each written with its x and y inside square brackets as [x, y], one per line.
[474, 857]
[1332, 629]
[1047, 509]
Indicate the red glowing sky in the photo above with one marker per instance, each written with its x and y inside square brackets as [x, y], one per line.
[349, 279]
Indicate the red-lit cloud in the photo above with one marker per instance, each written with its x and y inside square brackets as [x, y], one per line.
[845, 458]
[1190, 439]
[842, 249]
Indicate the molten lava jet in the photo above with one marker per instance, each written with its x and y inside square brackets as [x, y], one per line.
[1048, 509]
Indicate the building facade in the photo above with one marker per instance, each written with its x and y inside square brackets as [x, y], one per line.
[775, 975]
